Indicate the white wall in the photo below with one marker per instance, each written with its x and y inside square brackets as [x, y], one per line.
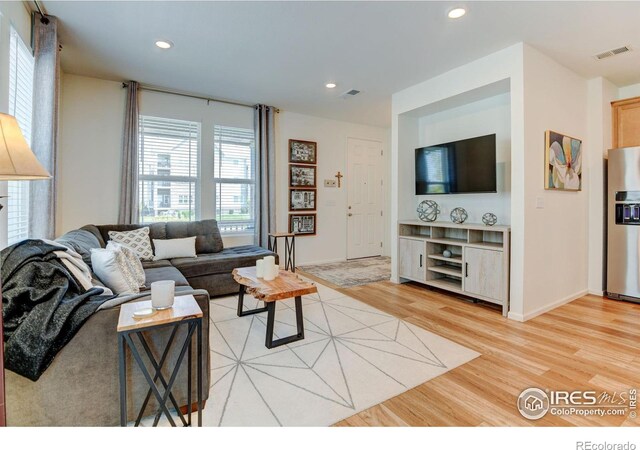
[488, 116]
[632, 90]
[503, 66]
[330, 243]
[601, 93]
[89, 152]
[16, 14]
[92, 120]
[556, 239]
[550, 248]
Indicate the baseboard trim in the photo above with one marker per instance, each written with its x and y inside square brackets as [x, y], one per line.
[598, 293]
[563, 301]
[325, 261]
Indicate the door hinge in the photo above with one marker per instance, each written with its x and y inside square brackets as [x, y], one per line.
[381, 152]
[381, 182]
[380, 213]
[380, 243]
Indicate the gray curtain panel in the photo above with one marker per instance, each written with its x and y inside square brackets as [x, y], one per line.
[44, 140]
[264, 126]
[128, 212]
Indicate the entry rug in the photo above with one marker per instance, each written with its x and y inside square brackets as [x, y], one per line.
[353, 357]
[354, 272]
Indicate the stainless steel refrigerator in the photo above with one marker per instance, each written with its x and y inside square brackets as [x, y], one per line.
[623, 224]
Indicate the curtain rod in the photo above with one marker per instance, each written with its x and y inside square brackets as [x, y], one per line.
[186, 94]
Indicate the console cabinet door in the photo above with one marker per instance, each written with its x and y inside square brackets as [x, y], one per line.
[412, 259]
[483, 274]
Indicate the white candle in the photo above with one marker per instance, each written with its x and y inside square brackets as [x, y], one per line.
[269, 264]
[260, 268]
[162, 293]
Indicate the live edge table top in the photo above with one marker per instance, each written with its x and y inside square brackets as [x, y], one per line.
[286, 285]
[184, 307]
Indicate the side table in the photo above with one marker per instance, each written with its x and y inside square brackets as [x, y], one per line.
[185, 311]
[289, 248]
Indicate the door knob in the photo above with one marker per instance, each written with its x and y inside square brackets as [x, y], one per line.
[349, 214]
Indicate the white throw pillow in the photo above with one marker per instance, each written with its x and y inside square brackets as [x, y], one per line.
[175, 248]
[135, 266]
[137, 240]
[112, 269]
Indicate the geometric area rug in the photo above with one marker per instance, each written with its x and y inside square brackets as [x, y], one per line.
[353, 357]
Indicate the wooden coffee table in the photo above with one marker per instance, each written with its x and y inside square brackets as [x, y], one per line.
[286, 285]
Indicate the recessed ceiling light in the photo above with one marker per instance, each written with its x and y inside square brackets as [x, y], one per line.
[456, 13]
[330, 85]
[164, 44]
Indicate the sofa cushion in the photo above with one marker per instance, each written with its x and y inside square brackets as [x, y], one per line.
[208, 239]
[157, 230]
[221, 262]
[81, 241]
[164, 273]
[154, 264]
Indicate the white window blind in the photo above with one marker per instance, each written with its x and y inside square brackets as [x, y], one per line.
[168, 169]
[21, 64]
[234, 177]
[437, 170]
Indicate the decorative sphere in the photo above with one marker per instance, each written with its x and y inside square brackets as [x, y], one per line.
[458, 215]
[489, 219]
[428, 211]
[446, 254]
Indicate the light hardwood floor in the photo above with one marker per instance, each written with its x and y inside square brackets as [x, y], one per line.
[591, 344]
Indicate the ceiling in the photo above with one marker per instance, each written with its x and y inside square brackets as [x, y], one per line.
[283, 53]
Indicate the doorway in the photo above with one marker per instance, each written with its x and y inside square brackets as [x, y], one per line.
[365, 197]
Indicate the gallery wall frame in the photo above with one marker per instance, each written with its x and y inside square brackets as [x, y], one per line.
[303, 152]
[302, 224]
[303, 199]
[301, 176]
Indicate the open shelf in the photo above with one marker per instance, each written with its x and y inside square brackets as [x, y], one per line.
[447, 269]
[449, 284]
[453, 259]
[448, 241]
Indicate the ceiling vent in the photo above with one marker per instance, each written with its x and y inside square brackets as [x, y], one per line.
[614, 52]
[350, 93]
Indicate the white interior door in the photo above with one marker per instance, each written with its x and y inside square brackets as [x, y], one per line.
[364, 198]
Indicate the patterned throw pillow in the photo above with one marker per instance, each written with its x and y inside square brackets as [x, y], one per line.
[132, 260]
[112, 269]
[137, 240]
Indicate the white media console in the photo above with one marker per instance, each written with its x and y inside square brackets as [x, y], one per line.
[478, 266]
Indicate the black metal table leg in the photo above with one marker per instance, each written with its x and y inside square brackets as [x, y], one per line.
[123, 381]
[199, 368]
[271, 313]
[242, 313]
[124, 340]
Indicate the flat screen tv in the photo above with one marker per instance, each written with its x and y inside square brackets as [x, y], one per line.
[460, 167]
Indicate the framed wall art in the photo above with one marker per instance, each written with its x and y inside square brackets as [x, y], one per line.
[562, 162]
[302, 199]
[302, 224]
[303, 152]
[302, 176]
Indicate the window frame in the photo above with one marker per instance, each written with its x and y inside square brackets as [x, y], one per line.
[250, 227]
[164, 181]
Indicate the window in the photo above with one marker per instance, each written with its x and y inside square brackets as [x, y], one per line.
[234, 177]
[168, 169]
[21, 64]
[437, 162]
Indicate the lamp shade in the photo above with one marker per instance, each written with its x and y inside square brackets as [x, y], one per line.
[17, 161]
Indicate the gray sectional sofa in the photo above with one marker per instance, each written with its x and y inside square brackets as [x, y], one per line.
[81, 386]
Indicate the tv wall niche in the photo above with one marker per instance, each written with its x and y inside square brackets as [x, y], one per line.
[486, 116]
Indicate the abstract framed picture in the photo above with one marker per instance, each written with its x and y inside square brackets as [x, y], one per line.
[302, 224]
[302, 200]
[302, 176]
[303, 152]
[562, 162]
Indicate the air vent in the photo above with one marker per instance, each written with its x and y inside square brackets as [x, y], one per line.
[614, 52]
[350, 93]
